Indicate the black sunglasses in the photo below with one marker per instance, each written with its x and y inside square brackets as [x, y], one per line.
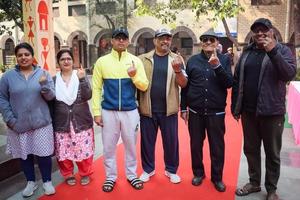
[260, 29]
[206, 39]
[121, 37]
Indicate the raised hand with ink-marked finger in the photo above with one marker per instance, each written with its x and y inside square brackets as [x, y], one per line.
[269, 41]
[43, 78]
[131, 70]
[80, 72]
[214, 60]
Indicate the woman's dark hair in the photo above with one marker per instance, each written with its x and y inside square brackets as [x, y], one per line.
[24, 45]
[61, 52]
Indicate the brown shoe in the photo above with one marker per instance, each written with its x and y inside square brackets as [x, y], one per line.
[247, 189]
[272, 196]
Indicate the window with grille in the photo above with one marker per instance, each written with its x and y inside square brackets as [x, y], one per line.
[186, 43]
[108, 7]
[55, 11]
[77, 10]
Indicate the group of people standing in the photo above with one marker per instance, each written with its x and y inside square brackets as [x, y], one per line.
[46, 115]
[148, 91]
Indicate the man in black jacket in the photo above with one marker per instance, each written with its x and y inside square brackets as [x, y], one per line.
[203, 104]
[258, 97]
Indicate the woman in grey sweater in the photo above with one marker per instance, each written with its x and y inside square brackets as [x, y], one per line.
[24, 92]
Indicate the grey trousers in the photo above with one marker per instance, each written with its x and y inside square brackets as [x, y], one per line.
[267, 130]
[116, 124]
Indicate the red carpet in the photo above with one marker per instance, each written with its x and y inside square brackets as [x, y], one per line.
[159, 186]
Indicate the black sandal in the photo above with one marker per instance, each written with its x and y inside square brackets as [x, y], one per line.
[108, 186]
[247, 189]
[136, 183]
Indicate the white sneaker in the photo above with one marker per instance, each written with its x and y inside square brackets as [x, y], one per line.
[48, 187]
[146, 177]
[29, 189]
[174, 178]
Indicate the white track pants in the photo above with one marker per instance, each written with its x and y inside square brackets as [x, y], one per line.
[116, 123]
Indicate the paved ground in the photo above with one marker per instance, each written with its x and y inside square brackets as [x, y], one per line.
[11, 189]
[288, 187]
[289, 182]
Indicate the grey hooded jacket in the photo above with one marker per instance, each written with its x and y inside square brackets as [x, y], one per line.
[23, 103]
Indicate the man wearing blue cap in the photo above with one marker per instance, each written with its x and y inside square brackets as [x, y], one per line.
[115, 79]
[203, 103]
[159, 105]
[258, 98]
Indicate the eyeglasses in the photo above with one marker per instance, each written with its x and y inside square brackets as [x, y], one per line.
[260, 29]
[121, 37]
[206, 39]
[68, 59]
[165, 37]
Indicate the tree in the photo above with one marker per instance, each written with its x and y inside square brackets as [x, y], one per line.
[217, 9]
[115, 12]
[11, 11]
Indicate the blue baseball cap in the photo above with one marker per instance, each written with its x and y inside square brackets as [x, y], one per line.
[120, 31]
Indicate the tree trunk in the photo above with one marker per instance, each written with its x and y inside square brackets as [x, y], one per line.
[231, 38]
[125, 13]
[110, 23]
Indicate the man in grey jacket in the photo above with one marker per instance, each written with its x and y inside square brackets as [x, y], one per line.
[258, 97]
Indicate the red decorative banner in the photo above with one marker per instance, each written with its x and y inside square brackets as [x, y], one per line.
[38, 31]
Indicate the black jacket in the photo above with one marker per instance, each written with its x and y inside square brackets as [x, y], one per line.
[206, 90]
[79, 112]
[278, 67]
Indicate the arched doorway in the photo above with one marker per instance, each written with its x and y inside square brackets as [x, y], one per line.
[104, 44]
[142, 40]
[56, 44]
[144, 43]
[79, 46]
[77, 42]
[184, 43]
[184, 40]
[8, 53]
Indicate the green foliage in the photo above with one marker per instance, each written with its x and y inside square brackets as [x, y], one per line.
[11, 11]
[3, 68]
[219, 9]
[216, 10]
[114, 11]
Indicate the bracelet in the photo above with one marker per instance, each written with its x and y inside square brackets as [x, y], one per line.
[177, 72]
